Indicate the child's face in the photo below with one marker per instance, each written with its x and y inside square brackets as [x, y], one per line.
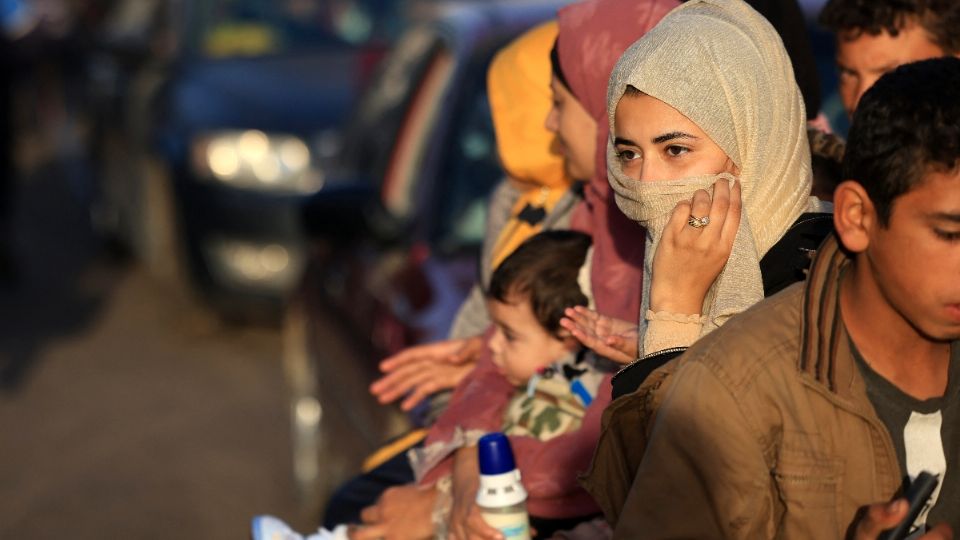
[520, 345]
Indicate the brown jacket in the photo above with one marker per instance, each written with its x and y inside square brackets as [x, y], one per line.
[762, 429]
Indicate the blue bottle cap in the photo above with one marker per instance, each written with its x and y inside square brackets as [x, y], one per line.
[495, 454]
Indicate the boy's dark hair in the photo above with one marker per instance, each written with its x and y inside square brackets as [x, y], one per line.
[849, 19]
[544, 269]
[906, 125]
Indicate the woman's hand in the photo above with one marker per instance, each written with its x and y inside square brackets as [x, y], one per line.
[609, 337]
[465, 520]
[401, 513]
[421, 370]
[689, 259]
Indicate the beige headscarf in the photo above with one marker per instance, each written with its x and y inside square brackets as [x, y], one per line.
[723, 66]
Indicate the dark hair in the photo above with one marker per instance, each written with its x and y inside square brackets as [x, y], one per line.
[905, 126]
[555, 66]
[851, 18]
[543, 269]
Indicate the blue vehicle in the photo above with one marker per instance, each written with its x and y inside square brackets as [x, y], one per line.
[226, 129]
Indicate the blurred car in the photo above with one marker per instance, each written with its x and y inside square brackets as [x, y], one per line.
[221, 121]
[392, 260]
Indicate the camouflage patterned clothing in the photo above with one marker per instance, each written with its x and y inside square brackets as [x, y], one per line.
[555, 400]
[553, 403]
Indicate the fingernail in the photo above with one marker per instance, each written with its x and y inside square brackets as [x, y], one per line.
[895, 506]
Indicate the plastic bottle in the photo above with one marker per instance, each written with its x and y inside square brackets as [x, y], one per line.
[501, 497]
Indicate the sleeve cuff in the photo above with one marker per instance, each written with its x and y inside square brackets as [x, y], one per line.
[668, 330]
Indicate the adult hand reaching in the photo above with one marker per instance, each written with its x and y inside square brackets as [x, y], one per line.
[401, 513]
[882, 516]
[690, 257]
[418, 371]
[609, 337]
[466, 523]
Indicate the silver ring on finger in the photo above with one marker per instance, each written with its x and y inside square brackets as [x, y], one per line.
[698, 223]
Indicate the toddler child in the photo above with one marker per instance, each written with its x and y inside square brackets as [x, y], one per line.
[556, 380]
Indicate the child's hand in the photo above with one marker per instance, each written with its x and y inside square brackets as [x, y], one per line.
[421, 370]
[609, 337]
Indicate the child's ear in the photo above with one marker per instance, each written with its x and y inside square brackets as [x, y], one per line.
[569, 341]
[854, 215]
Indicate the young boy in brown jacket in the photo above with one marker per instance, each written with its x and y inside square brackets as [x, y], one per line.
[807, 415]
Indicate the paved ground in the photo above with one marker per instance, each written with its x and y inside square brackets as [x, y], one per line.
[126, 412]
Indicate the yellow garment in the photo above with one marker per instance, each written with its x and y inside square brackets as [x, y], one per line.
[388, 451]
[518, 86]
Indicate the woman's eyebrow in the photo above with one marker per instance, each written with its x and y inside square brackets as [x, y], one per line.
[671, 136]
[656, 140]
[945, 216]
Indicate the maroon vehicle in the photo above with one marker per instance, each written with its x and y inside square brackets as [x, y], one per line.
[393, 257]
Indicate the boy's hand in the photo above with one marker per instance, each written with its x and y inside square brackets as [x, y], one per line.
[882, 516]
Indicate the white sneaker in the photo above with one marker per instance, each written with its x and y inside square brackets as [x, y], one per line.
[270, 528]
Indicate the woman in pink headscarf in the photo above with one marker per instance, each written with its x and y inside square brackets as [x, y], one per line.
[592, 35]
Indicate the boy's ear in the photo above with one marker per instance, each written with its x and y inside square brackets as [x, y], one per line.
[569, 341]
[853, 215]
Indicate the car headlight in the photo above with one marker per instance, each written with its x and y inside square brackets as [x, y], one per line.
[255, 160]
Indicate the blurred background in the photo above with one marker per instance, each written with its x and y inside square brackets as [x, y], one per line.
[216, 216]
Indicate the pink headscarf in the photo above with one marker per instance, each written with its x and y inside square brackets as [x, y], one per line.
[592, 36]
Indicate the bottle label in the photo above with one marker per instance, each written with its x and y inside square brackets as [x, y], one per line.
[514, 525]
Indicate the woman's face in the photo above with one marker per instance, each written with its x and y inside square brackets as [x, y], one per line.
[576, 132]
[654, 142]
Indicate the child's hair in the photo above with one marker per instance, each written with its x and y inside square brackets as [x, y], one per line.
[905, 126]
[544, 270]
[850, 19]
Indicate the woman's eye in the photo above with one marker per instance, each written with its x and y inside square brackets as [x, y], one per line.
[674, 151]
[950, 236]
[627, 155]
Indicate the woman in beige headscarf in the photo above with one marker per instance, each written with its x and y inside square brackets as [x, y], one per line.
[705, 120]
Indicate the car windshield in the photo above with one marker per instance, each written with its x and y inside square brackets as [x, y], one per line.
[226, 28]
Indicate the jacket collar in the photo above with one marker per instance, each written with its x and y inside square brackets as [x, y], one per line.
[825, 351]
[826, 355]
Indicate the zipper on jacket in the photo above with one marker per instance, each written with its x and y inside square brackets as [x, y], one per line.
[651, 355]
